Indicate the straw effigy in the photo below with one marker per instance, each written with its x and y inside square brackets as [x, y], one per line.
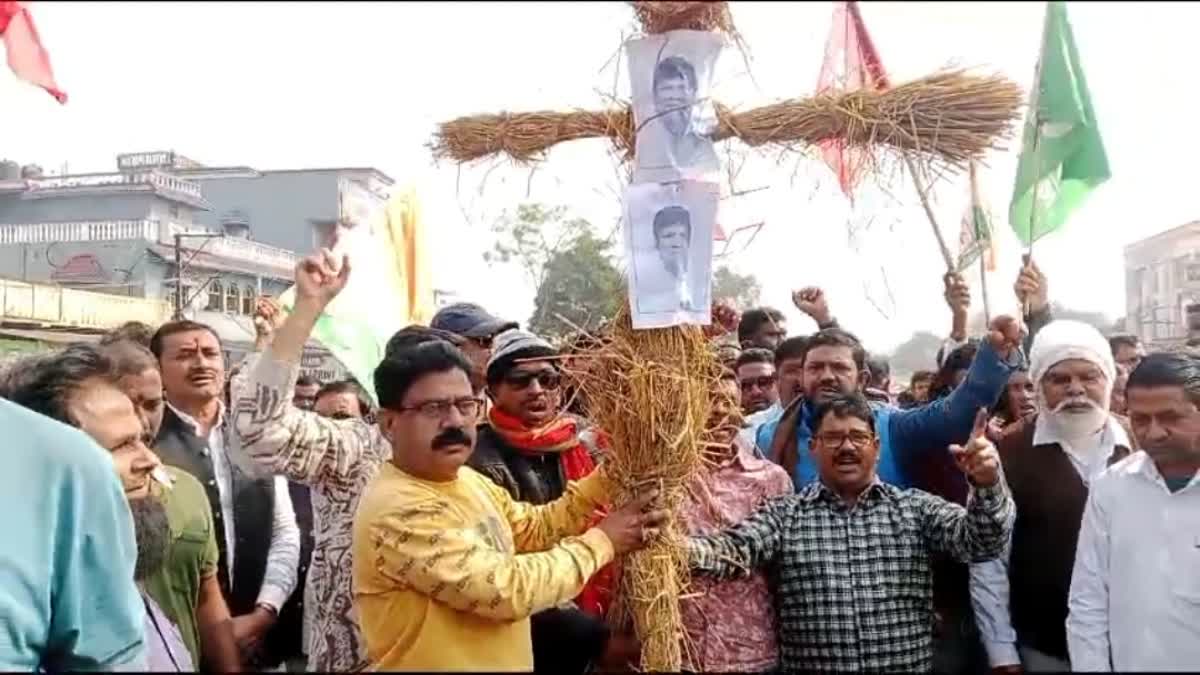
[660, 17]
[651, 392]
[949, 118]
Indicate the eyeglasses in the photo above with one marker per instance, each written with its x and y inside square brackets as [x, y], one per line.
[467, 406]
[549, 379]
[836, 439]
[764, 382]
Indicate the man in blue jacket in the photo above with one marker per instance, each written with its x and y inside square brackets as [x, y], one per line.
[835, 365]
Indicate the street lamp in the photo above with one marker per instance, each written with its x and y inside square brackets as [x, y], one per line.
[179, 265]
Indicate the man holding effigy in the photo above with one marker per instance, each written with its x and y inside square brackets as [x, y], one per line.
[447, 567]
[851, 553]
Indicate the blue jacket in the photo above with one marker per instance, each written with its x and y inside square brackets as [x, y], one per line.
[905, 434]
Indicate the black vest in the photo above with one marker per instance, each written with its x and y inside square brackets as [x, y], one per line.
[1050, 498]
[253, 509]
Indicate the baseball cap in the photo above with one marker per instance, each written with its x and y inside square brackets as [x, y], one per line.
[469, 320]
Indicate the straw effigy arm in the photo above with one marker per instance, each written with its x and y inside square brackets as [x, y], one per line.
[950, 117]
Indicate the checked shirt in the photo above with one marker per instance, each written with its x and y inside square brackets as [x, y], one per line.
[853, 586]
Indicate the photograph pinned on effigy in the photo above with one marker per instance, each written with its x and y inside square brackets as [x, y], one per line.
[671, 83]
[668, 249]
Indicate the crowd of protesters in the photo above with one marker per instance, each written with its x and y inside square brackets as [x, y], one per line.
[1031, 501]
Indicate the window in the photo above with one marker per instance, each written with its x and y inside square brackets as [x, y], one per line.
[174, 211]
[214, 296]
[1193, 272]
[233, 298]
[248, 301]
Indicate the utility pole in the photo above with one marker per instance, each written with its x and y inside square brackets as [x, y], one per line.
[179, 265]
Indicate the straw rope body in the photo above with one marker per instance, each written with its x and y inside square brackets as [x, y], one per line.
[651, 391]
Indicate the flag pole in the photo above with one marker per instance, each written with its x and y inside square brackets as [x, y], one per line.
[987, 311]
[937, 232]
[1034, 147]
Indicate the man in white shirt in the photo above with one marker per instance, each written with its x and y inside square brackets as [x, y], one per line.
[257, 534]
[1020, 601]
[670, 143]
[1135, 589]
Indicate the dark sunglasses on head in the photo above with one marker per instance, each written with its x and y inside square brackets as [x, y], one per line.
[764, 382]
[548, 379]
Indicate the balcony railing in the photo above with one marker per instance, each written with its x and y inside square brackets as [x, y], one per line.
[67, 307]
[91, 230]
[147, 230]
[155, 178]
[233, 247]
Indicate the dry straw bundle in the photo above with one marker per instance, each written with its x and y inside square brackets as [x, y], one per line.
[949, 118]
[651, 392]
[660, 17]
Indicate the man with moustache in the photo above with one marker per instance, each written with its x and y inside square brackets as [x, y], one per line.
[850, 553]
[1135, 595]
[675, 142]
[1049, 461]
[257, 537]
[185, 586]
[664, 283]
[835, 365]
[335, 458]
[448, 567]
[533, 450]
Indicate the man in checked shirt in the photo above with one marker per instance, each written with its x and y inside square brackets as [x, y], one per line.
[849, 556]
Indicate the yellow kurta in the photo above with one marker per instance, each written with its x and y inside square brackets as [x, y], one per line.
[446, 575]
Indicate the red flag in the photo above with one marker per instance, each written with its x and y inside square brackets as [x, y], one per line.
[26, 56]
[851, 63]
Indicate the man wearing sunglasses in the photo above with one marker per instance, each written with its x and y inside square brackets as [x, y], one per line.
[479, 328]
[532, 449]
[756, 378]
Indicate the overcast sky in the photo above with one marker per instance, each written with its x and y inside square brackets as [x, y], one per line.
[280, 86]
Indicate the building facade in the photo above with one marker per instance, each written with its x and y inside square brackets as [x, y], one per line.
[165, 230]
[1162, 279]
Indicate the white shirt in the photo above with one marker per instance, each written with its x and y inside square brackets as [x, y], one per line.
[989, 580]
[283, 556]
[1135, 589]
[754, 422]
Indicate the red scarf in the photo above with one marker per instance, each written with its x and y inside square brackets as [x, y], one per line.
[561, 437]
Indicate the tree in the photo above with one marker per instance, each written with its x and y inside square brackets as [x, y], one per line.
[571, 268]
[740, 289]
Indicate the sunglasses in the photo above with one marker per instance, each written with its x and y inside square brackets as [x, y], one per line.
[548, 379]
[764, 382]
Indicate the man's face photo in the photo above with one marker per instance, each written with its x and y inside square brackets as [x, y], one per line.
[672, 236]
[675, 94]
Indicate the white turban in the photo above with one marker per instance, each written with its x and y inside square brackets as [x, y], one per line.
[1063, 340]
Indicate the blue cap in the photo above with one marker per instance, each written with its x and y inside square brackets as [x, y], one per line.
[469, 320]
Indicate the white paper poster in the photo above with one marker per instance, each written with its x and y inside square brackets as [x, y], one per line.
[668, 246]
[671, 81]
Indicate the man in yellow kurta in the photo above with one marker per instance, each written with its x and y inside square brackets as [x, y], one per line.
[447, 567]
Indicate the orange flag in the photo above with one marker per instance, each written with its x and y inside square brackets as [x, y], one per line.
[851, 63]
[27, 58]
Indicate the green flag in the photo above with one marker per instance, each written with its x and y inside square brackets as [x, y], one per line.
[1062, 156]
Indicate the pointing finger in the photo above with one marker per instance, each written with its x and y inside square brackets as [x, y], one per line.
[980, 427]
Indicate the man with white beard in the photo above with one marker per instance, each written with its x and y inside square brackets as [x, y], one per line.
[1049, 461]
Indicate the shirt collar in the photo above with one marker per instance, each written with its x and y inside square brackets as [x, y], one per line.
[818, 491]
[1140, 464]
[191, 421]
